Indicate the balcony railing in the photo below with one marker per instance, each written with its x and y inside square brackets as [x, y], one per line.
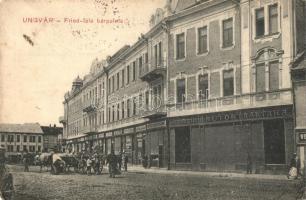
[91, 105]
[154, 71]
[155, 111]
[275, 98]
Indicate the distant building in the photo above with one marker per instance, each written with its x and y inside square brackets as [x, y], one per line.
[16, 138]
[51, 137]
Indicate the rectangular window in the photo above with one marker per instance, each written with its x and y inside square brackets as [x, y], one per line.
[109, 85]
[140, 65]
[122, 79]
[39, 148]
[113, 83]
[39, 139]
[134, 105]
[24, 148]
[202, 40]
[18, 138]
[260, 22]
[140, 102]
[274, 76]
[147, 99]
[134, 71]
[18, 148]
[273, 19]
[25, 138]
[118, 81]
[113, 113]
[122, 110]
[180, 90]
[159, 54]
[128, 74]
[118, 111]
[203, 86]
[155, 55]
[228, 32]
[228, 82]
[128, 107]
[2, 138]
[180, 46]
[260, 78]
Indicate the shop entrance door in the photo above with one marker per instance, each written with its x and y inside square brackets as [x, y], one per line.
[274, 141]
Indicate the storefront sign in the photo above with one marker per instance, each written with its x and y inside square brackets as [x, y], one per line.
[141, 128]
[128, 130]
[109, 134]
[117, 132]
[251, 114]
[155, 125]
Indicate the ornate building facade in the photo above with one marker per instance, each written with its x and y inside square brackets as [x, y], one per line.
[207, 86]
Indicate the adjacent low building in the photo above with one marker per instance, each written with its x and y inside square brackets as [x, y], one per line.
[16, 138]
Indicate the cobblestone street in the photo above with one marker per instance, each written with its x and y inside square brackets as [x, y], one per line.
[145, 185]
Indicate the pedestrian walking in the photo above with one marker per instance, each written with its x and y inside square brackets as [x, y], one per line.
[88, 164]
[126, 159]
[112, 164]
[26, 160]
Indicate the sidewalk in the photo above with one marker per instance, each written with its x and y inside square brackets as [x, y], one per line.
[140, 169]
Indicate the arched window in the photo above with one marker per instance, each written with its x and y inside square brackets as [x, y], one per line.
[267, 68]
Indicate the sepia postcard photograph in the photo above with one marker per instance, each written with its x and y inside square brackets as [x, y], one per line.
[152, 100]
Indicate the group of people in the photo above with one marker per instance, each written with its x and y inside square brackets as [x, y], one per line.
[115, 163]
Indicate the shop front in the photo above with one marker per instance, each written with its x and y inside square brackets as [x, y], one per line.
[140, 143]
[156, 143]
[227, 141]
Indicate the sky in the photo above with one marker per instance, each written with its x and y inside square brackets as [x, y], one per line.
[40, 59]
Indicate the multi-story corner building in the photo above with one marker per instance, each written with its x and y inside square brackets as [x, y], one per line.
[17, 138]
[207, 87]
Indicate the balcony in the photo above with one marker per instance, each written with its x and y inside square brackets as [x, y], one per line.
[154, 71]
[62, 120]
[89, 130]
[245, 101]
[153, 113]
[91, 105]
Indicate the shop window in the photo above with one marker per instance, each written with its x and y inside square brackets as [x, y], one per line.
[260, 22]
[202, 40]
[228, 82]
[180, 90]
[182, 145]
[180, 46]
[228, 32]
[273, 19]
[274, 142]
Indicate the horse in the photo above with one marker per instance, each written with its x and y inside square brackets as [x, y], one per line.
[43, 160]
